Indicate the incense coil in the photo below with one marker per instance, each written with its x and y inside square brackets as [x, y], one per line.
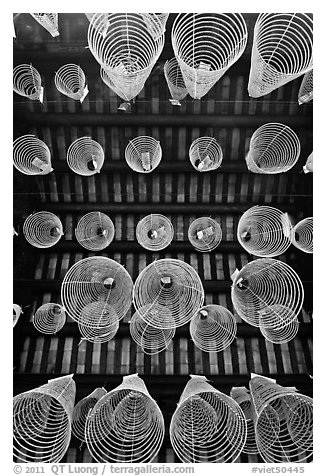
[207, 426]
[205, 154]
[264, 231]
[155, 23]
[213, 328]
[154, 232]
[170, 283]
[127, 91]
[306, 89]
[49, 318]
[204, 234]
[81, 410]
[143, 154]
[17, 311]
[31, 156]
[49, 21]
[281, 51]
[95, 231]
[205, 46]
[302, 235]
[70, 80]
[98, 322]
[174, 80]
[42, 421]
[125, 425]
[85, 156]
[282, 329]
[264, 285]
[96, 291]
[241, 395]
[27, 82]
[42, 229]
[152, 340]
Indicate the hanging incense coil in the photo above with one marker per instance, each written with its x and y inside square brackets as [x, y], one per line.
[205, 46]
[95, 231]
[151, 339]
[154, 232]
[125, 425]
[213, 328]
[31, 156]
[42, 421]
[98, 322]
[283, 422]
[204, 234]
[126, 92]
[28, 82]
[282, 329]
[49, 21]
[281, 51]
[241, 395]
[49, 318]
[267, 288]
[207, 426]
[97, 291]
[85, 156]
[81, 410]
[42, 229]
[205, 154]
[302, 235]
[175, 82]
[172, 284]
[143, 154]
[264, 231]
[308, 167]
[306, 89]
[155, 23]
[70, 80]
[17, 311]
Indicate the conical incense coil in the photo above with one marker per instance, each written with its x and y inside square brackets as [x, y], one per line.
[85, 156]
[96, 291]
[28, 82]
[242, 396]
[127, 91]
[270, 287]
[95, 231]
[98, 322]
[170, 283]
[204, 234]
[155, 23]
[283, 422]
[175, 82]
[302, 235]
[81, 411]
[308, 167]
[151, 339]
[205, 154]
[42, 229]
[70, 80]
[281, 51]
[306, 89]
[264, 231]
[143, 154]
[154, 232]
[42, 421]
[17, 311]
[281, 330]
[207, 426]
[274, 148]
[125, 425]
[31, 156]
[205, 46]
[49, 318]
[213, 328]
[49, 21]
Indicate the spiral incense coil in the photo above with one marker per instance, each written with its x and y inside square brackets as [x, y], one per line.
[205, 46]
[28, 82]
[42, 421]
[143, 154]
[70, 80]
[205, 154]
[85, 156]
[31, 156]
[213, 328]
[241, 395]
[207, 426]
[263, 284]
[170, 283]
[264, 231]
[98, 323]
[154, 232]
[17, 311]
[125, 425]
[281, 331]
[283, 422]
[308, 167]
[151, 339]
[81, 410]
[204, 234]
[306, 89]
[49, 318]
[281, 51]
[175, 82]
[42, 229]
[95, 231]
[302, 235]
[97, 291]
[155, 23]
[127, 91]
[274, 148]
[49, 21]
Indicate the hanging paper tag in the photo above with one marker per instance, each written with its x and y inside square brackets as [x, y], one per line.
[175, 102]
[41, 94]
[86, 91]
[305, 169]
[235, 275]
[286, 224]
